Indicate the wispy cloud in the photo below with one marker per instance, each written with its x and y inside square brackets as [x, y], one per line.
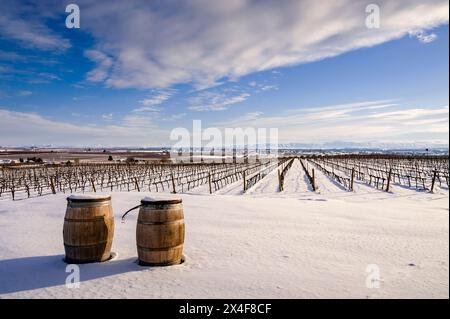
[147, 109]
[253, 115]
[31, 75]
[410, 114]
[24, 93]
[26, 24]
[261, 87]
[107, 117]
[215, 101]
[423, 36]
[363, 124]
[104, 63]
[10, 56]
[363, 121]
[203, 43]
[158, 97]
[31, 128]
[82, 98]
[174, 117]
[269, 87]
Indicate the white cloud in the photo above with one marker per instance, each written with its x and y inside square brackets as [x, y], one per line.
[24, 93]
[82, 98]
[19, 128]
[410, 114]
[142, 44]
[46, 76]
[261, 87]
[104, 63]
[423, 36]
[269, 87]
[107, 117]
[253, 115]
[341, 110]
[26, 24]
[356, 122]
[157, 45]
[142, 121]
[30, 76]
[215, 101]
[10, 56]
[174, 117]
[362, 122]
[158, 97]
[147, 109]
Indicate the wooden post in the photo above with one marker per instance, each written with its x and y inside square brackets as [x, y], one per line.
[389, 180]
[173, 184]
[353, 179]
[433, 181]
[280, 184]
[93, 185]
[209, 183]
[137, 184]
[52, 185]
[244, 181]
[313, 180]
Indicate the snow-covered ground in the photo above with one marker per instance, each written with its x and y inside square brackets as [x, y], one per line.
[261, 244]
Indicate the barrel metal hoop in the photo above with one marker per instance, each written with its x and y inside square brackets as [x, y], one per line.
[90, 220]
[86, 246]
[156, 206]
[161, 202]
[159, 248]
[170, 263]
[88, 204]
[161, 223]
[89, 200]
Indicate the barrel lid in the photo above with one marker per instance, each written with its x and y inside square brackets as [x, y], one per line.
[161, 199]
[88, 198]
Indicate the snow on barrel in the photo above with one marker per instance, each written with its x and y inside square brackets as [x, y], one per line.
[88, 228]
[160, 231]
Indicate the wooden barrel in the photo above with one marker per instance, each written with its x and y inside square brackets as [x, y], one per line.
[88, 229]
[160, 231]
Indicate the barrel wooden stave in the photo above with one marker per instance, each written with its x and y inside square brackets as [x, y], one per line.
[160, 234]
[88, 231]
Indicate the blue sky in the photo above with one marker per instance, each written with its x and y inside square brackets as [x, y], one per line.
[134, 71]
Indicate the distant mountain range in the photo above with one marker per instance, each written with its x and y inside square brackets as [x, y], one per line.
[367, 145]
[336, 145]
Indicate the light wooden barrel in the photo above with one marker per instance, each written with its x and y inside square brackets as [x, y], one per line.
[160, 232]
[88, 229]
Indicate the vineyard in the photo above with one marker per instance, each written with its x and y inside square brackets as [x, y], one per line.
[31, 181]
[376, 171]
[420, 173]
